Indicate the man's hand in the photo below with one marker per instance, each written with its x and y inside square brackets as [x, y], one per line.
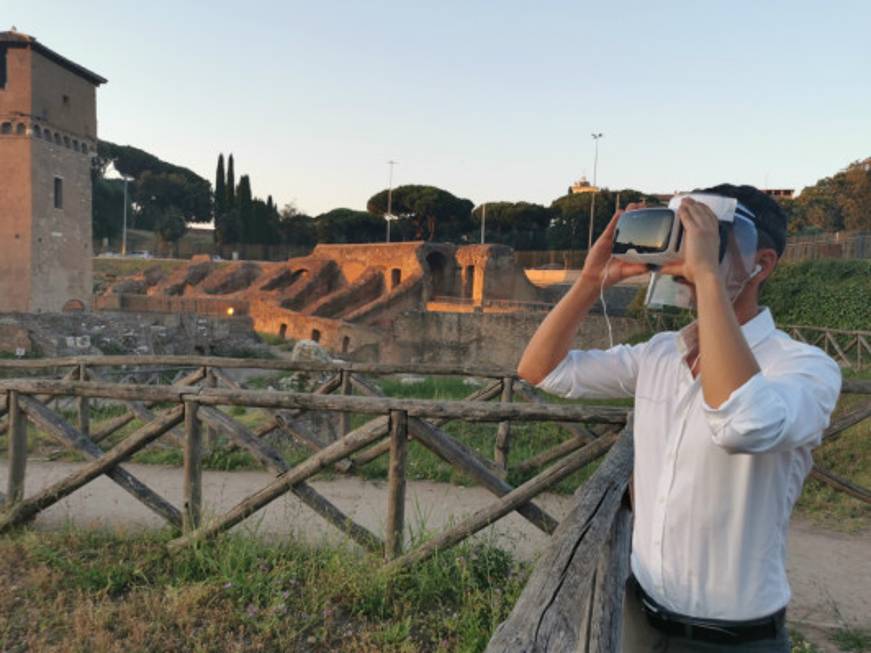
[701, 242]
[600, 264]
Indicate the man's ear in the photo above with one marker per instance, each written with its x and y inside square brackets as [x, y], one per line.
[766, 259]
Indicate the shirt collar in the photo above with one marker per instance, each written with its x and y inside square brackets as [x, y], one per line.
[755, 331]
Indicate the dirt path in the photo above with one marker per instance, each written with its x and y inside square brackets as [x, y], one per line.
[830, 572]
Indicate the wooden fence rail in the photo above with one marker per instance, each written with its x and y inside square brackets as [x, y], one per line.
[572, 600]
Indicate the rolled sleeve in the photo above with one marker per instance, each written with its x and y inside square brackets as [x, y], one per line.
[595, 373]
[779, 409]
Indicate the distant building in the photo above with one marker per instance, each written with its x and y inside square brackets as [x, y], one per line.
[780, 193]
[582, 186]
[48, 134]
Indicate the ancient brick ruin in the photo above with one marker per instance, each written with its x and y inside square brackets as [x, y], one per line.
[401, 302]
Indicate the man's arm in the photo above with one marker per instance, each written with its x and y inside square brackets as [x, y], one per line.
[552, 340]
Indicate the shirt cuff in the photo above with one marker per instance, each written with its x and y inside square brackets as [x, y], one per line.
[747, 418]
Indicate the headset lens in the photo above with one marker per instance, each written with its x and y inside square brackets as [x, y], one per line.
[644, 230]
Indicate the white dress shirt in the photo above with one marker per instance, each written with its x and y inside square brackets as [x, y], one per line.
[714, 488]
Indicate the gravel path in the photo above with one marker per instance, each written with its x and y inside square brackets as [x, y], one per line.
[830, 572]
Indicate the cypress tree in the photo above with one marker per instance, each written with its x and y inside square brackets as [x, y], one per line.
[231, 185]
[244, 203]
[220, 189]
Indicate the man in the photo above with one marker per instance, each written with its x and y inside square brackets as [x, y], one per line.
[726, 414]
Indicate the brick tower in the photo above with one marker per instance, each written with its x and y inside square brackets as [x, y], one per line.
[48, 134]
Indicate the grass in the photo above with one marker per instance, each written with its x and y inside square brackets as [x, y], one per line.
[74, 590]
[95, 591]
[848, 456]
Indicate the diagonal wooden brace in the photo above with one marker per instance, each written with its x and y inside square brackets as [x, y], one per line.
[68, 435]
[273, 461]
[29, 508]
[355, 440]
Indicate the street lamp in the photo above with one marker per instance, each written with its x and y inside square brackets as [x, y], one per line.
[389, 215]
[109, 171]
[596, 137]
[483, 219]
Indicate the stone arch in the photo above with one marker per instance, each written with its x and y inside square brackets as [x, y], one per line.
[66, 141]
[6, 128]
[37, 131]
[316, 335]
[74, 306]
[46, 134]
[21, 129]
[57, 138]
[282, 331]
[395, 277]
[346, 344]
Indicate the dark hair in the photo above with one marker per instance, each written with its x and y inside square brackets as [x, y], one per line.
[770, 217]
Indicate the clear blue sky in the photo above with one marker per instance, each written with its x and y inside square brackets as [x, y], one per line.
[490, 100]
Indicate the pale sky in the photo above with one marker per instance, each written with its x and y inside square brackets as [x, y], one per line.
[492, 100]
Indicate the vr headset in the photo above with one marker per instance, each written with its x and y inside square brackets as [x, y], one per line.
[654, 236]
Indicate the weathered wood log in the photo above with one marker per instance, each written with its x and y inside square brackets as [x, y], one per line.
[395, 530]
[480, 470]
[355, 440]
[554, 453]
[852, 418]
[503, 432]
[112, 426]
[83, 405]
[856, 386]
[30, 507]
[17, 450]
[69, 436]
[523, 494]
[69, 376]
[548, 616]
[474, 411]
[193, 469]
[841, 484]
[606, 614]
[275, 463]
[283, 419]
[366, 387]
[580, 431]
[258, 363]
[345, 389]
[117, 423]
[211, 381]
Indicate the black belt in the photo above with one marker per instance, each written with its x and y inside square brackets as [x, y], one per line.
[714, 631]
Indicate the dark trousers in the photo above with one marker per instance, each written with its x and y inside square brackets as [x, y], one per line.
[640, 637]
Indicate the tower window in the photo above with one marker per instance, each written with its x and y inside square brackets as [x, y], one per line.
[3, 49]
[58, 193]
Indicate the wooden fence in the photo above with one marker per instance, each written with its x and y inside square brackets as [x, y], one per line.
[576, 591]
[849, 348]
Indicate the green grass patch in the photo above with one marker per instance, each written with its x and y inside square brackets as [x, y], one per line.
[111, 592]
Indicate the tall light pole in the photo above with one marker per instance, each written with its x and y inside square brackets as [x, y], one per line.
[124, 224]
[483, 220]
[389, 215]
[596, 137]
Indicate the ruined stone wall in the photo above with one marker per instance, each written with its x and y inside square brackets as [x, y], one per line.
[487, 339]
[337, 336]
[354, 260]
[137, 303]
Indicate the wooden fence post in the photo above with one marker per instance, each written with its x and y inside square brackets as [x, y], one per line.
[84, 404]
[503, 433]
[193, 469]
[344, 417]
[17, 450]
[211, 381]
[393, 538]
